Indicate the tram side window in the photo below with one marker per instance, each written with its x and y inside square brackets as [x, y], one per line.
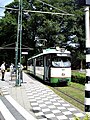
[39, 61]
[31, 62]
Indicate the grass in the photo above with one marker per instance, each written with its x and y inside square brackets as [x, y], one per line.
[77, 94]
[78, 86]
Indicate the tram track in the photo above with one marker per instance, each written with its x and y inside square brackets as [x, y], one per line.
[71, 97]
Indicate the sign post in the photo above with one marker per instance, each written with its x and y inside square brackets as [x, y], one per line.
[87, 83]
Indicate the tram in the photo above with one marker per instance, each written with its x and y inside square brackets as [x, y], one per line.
[52, 66]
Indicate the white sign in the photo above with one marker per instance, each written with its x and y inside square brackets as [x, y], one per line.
[24, 53]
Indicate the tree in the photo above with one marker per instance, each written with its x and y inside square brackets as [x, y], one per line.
[54, 28]
[81, 57]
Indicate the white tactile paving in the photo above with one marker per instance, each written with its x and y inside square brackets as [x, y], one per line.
[67, 113]
[61, 101]
[48, 102]
[34, 104]
[39, 101]
[71, 109]
[42, 105]
[50, 106]
[46, 110]
[56, 111]
[66, 105]
[61, 108]
[79, 114]
[39, 113]
[56, 104]
[62, 117]
[36, 108]
[50, 115]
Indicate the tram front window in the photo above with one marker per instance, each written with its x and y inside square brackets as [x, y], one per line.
[61, 62]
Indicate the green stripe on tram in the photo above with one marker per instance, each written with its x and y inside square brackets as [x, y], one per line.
[57, 80]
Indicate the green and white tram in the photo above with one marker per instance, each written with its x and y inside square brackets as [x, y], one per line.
[52, 66]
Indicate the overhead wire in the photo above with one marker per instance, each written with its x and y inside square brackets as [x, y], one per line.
[6, 47]
[44, 12]
[54, 13]
[51, 6]
[8, 44]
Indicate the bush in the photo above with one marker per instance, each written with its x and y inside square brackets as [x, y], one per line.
[78, 77]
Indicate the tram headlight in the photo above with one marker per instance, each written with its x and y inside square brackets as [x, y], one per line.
[63, 74]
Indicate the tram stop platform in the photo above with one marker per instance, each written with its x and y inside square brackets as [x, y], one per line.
[33, 101]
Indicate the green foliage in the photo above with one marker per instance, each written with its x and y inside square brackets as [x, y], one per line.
[53, 28]
[78, 77]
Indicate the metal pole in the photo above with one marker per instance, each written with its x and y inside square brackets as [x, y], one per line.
[20, 39]
[87, 83]
[18, 35]
[20, 28]
[17, 82]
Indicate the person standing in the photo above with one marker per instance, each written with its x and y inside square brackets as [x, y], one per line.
[3, 70]
[11, 69]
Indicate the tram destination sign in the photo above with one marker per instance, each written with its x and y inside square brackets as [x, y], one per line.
[62, 54]
[24, 53]
[83, 2]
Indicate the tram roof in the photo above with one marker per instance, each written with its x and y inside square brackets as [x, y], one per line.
[52, 51]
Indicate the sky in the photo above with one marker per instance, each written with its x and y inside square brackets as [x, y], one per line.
[3, 3]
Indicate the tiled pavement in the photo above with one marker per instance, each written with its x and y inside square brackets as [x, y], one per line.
[43, 103]
[47, 105]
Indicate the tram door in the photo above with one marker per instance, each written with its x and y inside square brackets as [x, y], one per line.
[47, 69]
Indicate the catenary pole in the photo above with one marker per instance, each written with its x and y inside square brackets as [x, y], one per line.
[20, 41]
[20, 28]
[16, 60]
[87, 83]
[19, 38]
